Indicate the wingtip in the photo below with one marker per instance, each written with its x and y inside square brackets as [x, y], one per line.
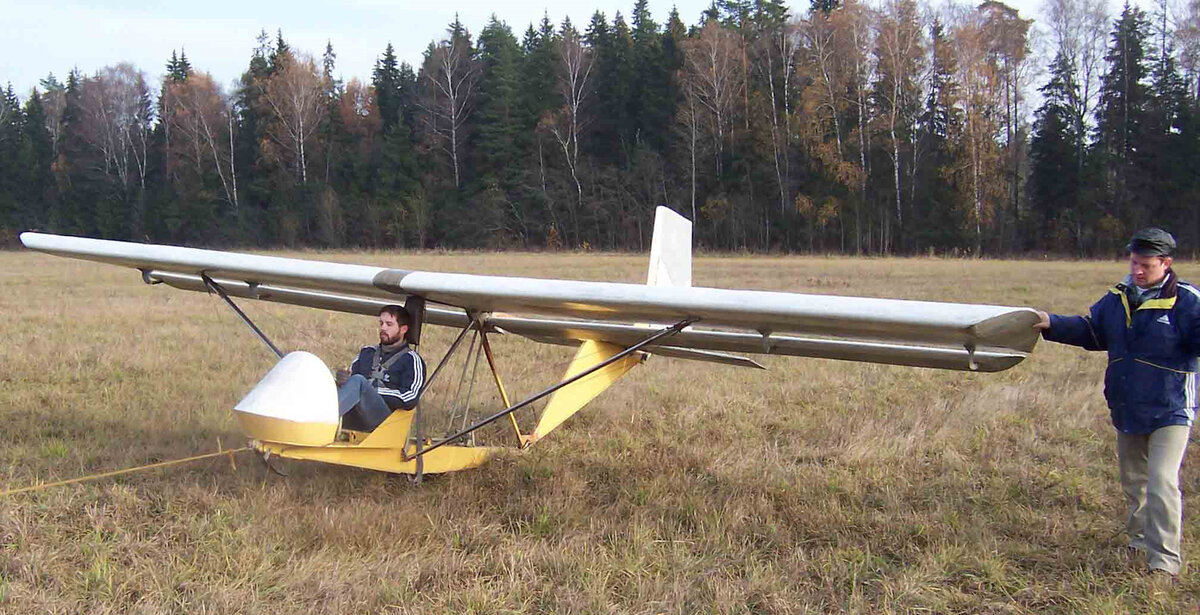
[28, 238]
[1012, 330]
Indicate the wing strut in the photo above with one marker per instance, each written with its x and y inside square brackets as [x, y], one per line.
[491, 359]
[662, 333]
[216, 288]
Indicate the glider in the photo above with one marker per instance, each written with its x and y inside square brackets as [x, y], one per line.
[292, 412]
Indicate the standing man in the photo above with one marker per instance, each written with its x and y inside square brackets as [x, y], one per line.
[1150, 326]
[383, 378]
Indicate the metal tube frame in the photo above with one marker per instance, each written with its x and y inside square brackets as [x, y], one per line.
[213, 286]
[672, 330]
[522, 440]
[414, 435]
[446, 357]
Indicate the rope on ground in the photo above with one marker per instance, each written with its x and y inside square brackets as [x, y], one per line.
[160, 464]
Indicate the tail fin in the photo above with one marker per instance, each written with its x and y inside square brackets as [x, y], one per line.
[670, 250]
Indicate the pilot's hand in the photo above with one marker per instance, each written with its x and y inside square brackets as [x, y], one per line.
[1043, 322]
[341, 376]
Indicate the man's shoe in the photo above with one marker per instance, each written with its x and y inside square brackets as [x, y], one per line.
[1132, 554]
[1161, 579]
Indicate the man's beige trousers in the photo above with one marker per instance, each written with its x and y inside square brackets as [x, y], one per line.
[1150, 478]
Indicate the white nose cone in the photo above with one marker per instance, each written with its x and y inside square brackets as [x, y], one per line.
[295, 403]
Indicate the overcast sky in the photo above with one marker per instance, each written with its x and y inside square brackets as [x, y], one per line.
[37, 38]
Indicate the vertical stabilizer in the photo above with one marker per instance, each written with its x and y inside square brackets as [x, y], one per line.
[670, 265]
[670, 250]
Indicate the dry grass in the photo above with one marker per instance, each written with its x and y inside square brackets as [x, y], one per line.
[816, 486]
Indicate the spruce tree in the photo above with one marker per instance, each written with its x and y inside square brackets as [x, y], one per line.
[652, 101]
[333, 126]
[538, 95]
[1054, 188]
[386, 79]
[1164, 159]
[614, 77]
[76, 171]
[37, 157]
[282, 52]
[1121, 123]
[499, 135]
[498, 140]
[11, 170]
[178, 68]
[539, 92]
[251, 168]
[938, 224]
[185, 67]
[408, 97]
[394, 169]
[824, 6]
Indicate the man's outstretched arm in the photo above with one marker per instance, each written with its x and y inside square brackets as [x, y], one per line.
[1082, 331]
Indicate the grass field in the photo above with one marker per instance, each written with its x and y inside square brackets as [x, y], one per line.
[816, 486]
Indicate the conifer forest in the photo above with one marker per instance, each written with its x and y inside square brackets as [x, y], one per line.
[872, 127]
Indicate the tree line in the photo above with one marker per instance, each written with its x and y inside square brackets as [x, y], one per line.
[887, 127]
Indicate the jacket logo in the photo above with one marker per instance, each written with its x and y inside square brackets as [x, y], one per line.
[1164, 319]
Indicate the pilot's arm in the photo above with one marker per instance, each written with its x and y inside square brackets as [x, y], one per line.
[405, 380]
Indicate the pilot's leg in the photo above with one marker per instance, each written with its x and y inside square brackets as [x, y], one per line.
[351, 392]
[372, 409]
[361, 404]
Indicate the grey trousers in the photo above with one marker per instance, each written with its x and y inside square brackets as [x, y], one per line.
[1150, 478]
[362, 407]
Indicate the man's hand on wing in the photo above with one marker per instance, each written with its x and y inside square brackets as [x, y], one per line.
[1043, 322]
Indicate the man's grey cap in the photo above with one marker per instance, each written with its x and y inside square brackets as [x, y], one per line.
[1151, 241]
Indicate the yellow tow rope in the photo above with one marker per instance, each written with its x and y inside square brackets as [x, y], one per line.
[230, 452]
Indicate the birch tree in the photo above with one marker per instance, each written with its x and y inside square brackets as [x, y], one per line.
[574, 67]
[978, 93]
[117, 120]
[295, 94]
[201, 118]
[688, 119]
[713, 72]
[450, 74]
[54, 100]
[774, 61]
[858, 28]
[1007, 36]
[1078, 29]
[1187, 41]
[899, 52]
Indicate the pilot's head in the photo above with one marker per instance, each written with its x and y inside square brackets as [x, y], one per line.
[393, 324]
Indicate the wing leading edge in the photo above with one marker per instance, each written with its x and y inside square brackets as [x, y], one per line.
[917, 333]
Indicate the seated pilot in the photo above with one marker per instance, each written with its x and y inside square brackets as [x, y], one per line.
[383, 378]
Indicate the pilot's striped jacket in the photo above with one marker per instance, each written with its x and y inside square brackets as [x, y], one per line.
[1152, 346]
[400, 384]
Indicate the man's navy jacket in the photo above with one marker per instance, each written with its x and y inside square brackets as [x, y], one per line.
[1151, 377]
[401, 383]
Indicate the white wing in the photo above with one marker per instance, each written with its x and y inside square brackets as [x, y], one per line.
[919, 333]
